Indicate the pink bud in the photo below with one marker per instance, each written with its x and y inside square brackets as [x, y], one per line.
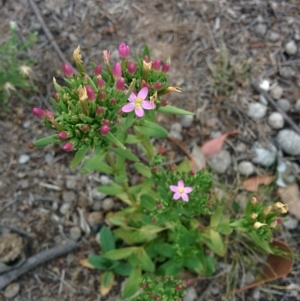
[131, 67]
[279, 221]
[62, 135]
[164, 102]
[67, 70]
[99, 111]
[179, 287]
[159, 206]
[157, 85]
[101, 82]
[146, 58]
[123, 50]
[102, 95]
[105, 121]
[156, 65]
[192, 172]
[165, 68]
[85, 128]
[49, 115]
[90, 93]
[56, 96]
[117, 71]
[120, 84]
[98, 70]
[104, 129]
[67, 146]
[113, 101]
[106, 56]
[146, 85]
[38, 112]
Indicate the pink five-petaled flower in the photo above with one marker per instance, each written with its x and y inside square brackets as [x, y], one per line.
[181, 191]
[138, 103]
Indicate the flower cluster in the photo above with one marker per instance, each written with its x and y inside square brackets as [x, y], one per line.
[92, 110]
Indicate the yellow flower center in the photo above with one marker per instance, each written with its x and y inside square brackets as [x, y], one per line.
[138, 102]
[180, 189]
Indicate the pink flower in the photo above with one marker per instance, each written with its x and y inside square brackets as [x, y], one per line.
[90, 93]
[62, 135]
[98, 70]
[38, 112]
[123, 50]
[138, 103]
[181, 191]
[67, 70]
[117, 71]
[67, 146]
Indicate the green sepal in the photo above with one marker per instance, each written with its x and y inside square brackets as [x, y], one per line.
[173, 110]
[80, 154]
[146, 51]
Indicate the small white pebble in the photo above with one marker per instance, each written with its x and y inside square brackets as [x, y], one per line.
[26, 124]
[276, 92]
[290, 47]
[107, 204]
[12, 290]
[257, 110]
[284, 104]
[176, 127]
[276, 121]
[175, 135]
[187, 120]
[24, 159]
[265, 85]
[246, 168]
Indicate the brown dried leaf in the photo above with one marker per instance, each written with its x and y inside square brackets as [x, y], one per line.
[252, 183]
[290, 196]
[215, 145]
[84, 262]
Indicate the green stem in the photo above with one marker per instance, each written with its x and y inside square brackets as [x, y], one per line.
[147, 146]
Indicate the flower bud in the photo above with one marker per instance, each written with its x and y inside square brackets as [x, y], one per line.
[98, 70]
[159, 206]
[101, 82]
[254, 200]
[144, 285]
[179, 287]
[105, 121]
[146, 58]
[144, 84]
[113, 101]
[157, 85]
[274, 224]
[120, 84]
[99, 111]
[67, 146]
[165, 68]
[154, 169]
[62, 135]
[164, 102]
[254, 215]
[123, 50]
[90, 93]
[56, 96]
[131, 67]
[106, 56]
[158, 297]
[117, 71]
[200, 227]
[192, 172]
[257, 225]
[102, 95]
[104, 129]
[279, 221]
[38, 112]
[85, 128]
[48, 115]
[267, 210]
[156, 65]
[67, 70]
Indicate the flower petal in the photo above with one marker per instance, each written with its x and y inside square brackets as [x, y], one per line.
[139, 112]
[188, 189]
[147, 105]
[143, 93]
[173, 188]
[132, 97]
[185, 197]
[128, 108]
[180, 184]
[176, 196]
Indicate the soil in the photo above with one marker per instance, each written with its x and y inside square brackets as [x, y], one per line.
[196, 35]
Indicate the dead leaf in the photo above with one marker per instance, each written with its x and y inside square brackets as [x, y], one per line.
[290, 196]
[84, 262]
[252, 183]
[104, 290]
[215, 145]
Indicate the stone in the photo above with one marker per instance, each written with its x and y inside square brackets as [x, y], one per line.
[108, 204]
[95, 218]
[48, 158]
[12, 290]
[71, 184]
[263, 100]
[276, 92]
[284, 104]
[297, 105]
[176, 127]
[256, 110]
[69, 196]
[273, 36]
[260, 30]
[215, 291]
[191, 294]
[290, 47]
[220, 161]
[65, 208]
[75, 233]
[97, 195]
[291, 223]
[97, 205]
[176, 135]
[256, 294]
[24, 158]
[289, 141]
[287, 72]
[105, 180]
[246, 168]
[265, 85]
[264, 154]
[187, 120]
[276, 121]
[26, 124]
[241, 147]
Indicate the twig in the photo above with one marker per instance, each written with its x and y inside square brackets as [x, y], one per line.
[276, 107]
[48, 33]
[36, 260]
[176, 142]
[16, 229]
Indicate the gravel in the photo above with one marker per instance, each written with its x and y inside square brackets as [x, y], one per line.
[24, 158]
[191, 294]
[284, 104]
[291, 223]
[290, 47]
[265, 154]
[69, 196]
[12, 290]
[265, 85]
[257, 110]
[260, 30]
[276, 92]
[289, 141]
[220, 161]
[246, 168]
[65, 208]
[75, 233]
[108, 204]
[176, 135]
[176, 127]
[187, 120]
[273, 36]
[297, 105]
[276, 121]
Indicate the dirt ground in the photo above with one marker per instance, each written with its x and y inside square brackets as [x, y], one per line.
[234, 39]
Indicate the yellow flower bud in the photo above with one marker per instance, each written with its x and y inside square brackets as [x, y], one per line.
[77, 56]
[254, 215]
[257, 225]
[267, 210]
[82, 93]
[147, 66]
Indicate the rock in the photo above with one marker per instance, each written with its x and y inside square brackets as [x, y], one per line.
[105, 180]
[175, 135]
[287, 72]
[95, 218]
[263, 100]
[65, 208]
[265, 85]
[290, 47]
[97, 205]
[69, 196]
[246, 168]
[256, 110]
[220, 161]
[23, 159]
[71, 183]
[265, 154]
[48, 158]
[241, 147]
[260, 30]
[26, 124]
[291, 223]
[25, 184]
[289, 141]
[107, 204]
[276, 121]
[75, 233]
[191, 294]
[273, 36]
[97, 195]
[248, 278]
[12, 290]
[284, 104]
[215, 291]
[256, 294]
[176, 127]
[187, 120]
[276, 92]
[297, 105]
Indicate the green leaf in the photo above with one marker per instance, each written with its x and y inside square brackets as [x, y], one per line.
[194, 264]
[260, 243]
[152, 129]
[99, 262]
[143, 169]
[106, 282]
[119, 253]
[123, 269]
[96, 163]
[146, 51]
[132, 284]
[46, 140]
[148, 202]
[165, 250]
[120, 178]
[215, 218]
[112, 139]
[174, 110]
[121, 136]
[107, 240]
[111, 189]
[224, 227]
[184, 166]
[129, 120]
[132, 139]
[125, 153]
[171, 268]
[79, 156]
[144, 260]
[215, 243]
